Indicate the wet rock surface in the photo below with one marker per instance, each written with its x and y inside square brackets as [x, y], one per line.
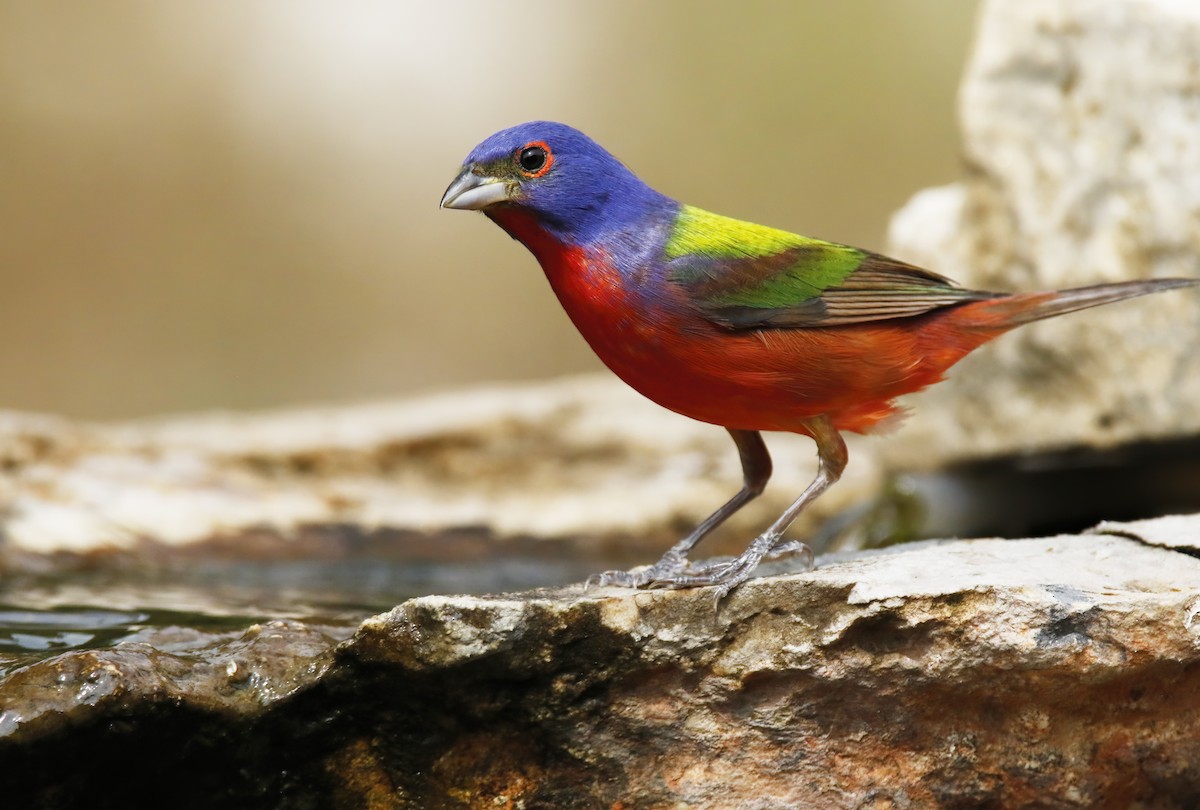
[1061, 672]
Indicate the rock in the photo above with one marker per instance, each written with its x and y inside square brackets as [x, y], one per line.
[1061, 672]
[1079, 125]
[1173, 531]
[544, 460]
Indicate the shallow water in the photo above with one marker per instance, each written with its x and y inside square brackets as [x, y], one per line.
[28, 635]
[44, 615]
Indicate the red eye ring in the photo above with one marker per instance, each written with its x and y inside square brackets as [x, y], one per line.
[534, 159]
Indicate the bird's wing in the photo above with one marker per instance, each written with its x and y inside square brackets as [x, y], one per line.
[744, 276]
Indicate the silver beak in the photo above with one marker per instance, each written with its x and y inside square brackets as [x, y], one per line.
[471, 191]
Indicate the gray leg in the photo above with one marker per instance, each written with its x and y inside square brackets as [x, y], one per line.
[831, 453]
[756, 471]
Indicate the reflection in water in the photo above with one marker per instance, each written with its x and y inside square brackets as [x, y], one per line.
[28, 635]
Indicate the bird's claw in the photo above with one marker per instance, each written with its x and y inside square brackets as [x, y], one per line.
[724, 574]
[793, 547]
[624, 579]
[674, 571]
[663, 574]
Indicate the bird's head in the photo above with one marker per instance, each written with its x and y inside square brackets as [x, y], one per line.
[573, 187]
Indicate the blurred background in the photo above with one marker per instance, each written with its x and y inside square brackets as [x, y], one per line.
[235, 205]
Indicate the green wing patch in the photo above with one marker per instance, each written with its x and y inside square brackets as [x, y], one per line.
[742, 276]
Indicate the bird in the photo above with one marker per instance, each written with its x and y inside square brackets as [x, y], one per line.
[740, 325]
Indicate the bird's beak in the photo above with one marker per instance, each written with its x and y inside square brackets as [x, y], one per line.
[471, 191]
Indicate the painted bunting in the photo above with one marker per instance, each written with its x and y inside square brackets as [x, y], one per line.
[732, 323]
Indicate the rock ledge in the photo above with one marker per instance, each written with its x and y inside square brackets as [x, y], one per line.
[1062, 671]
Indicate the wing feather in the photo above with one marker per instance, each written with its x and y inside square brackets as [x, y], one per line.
[789, 281]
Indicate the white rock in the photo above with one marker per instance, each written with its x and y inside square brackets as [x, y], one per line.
[583, 456]
[1081, 129]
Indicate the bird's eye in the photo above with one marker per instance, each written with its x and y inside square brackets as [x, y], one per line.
[534, 159]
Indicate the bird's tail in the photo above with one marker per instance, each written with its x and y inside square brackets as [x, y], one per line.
[1021, 308]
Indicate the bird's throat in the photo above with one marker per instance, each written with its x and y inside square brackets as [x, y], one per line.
[530, 232]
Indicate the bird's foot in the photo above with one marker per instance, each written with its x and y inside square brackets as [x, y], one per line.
[789, 548]
[726, 574]
[659, 575]
[674, 571]
[785, 548]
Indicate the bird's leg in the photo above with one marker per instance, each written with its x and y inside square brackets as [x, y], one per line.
[832, 457]
[756, 471]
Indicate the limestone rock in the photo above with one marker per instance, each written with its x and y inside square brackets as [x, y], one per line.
[1057, 672]
[1173, 531]
[1079, 123]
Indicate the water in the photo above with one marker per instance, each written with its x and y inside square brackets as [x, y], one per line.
[29, 635]
[47, 614]
[34, 633]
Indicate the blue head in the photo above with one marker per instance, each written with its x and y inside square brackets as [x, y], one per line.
[573, 187]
